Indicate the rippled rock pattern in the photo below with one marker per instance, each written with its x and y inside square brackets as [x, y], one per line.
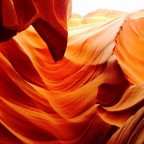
[93, 95]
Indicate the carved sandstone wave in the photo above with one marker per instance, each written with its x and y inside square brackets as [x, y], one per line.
[85, 98]
[48, 17]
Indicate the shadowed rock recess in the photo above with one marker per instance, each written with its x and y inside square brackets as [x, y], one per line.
[82, 86]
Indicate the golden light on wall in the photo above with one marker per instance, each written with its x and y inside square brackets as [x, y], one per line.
[69, 82]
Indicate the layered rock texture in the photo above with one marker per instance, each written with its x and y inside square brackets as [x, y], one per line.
[95, 17]
[86, 87]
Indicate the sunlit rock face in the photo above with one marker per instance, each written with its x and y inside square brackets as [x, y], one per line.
[75, 20]
[93, 95]
[102, 15]
[129, 49]
[96, 17]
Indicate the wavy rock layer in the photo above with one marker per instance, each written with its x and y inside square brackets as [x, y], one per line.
[48, 17]
[85, 98]
[129, 50]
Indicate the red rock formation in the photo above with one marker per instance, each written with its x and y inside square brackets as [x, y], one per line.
[129, 49]
[132, 130]
[49, 18]
[88, 97]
